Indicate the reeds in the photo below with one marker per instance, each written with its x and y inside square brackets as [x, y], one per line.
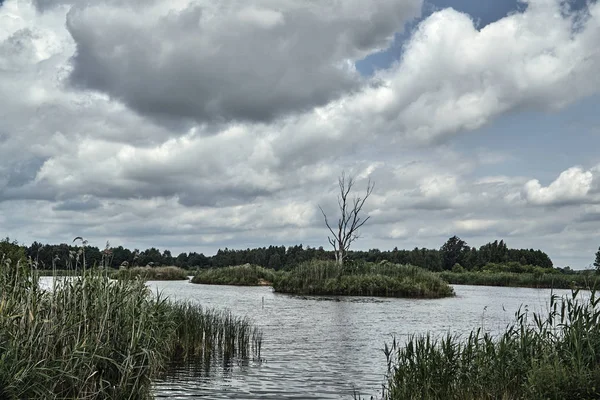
[151, 273]
[362, 279]
[513, 279]
[553, 356]
[240, 275]
[91, 337]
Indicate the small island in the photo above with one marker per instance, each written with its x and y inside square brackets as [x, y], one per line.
[151, 273]
[362, 279]
[238, 275]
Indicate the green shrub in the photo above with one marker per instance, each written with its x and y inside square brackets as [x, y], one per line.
[457, 268]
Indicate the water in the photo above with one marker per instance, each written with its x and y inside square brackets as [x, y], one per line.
[326, 347]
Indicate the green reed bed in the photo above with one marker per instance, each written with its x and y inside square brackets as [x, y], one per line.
[91, 337]
[512, 279]
[58, 272]
[362, 279]
[240, 275]
[553, 356]
[151, 273]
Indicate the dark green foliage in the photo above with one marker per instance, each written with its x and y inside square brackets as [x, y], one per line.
[361, 279]
[151, 274]
[240, 275]
[554, 356]
[597, 261]
[11, 251]
[91, 337]
[50, 257]
[454, 251]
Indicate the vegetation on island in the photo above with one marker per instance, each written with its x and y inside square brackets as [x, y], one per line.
[151, 273]
[553, 356]
[240, 275]
[91, 337]
[516, 275]
[361, 279]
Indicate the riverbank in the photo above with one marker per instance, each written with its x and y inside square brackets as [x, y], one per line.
[364, 279]
[94, 337]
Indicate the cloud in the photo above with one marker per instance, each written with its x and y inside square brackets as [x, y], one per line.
[474, 225]
[198, 126]
[245, 61]
[571, 186]
[453, 77]
[85, 203]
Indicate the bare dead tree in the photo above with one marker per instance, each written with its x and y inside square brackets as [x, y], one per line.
[350, 219]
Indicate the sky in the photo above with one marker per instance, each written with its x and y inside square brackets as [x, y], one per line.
[198, 125]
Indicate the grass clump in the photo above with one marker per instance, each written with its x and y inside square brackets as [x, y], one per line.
[514, 279]
[91, 337]
[240, 275]
[553, 356]
[362, 279]
[151, 273]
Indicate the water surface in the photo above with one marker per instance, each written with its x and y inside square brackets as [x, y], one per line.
[326, 347]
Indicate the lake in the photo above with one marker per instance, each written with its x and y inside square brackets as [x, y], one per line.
[327, 347]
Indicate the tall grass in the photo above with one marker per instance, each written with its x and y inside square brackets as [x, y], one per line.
[512, 279]
[94, 338]
[553, 356]
[240, 275]
[151, 273]
[362, 279]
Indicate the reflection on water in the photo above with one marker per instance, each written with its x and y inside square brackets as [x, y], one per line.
[325, 347]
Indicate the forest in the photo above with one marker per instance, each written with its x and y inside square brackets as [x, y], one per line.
[454, 251]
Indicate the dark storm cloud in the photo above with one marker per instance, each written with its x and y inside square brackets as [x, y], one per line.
[251, 63]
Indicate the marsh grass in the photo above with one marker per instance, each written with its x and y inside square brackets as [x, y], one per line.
[240, 275]
[91, 337]
[553, 356]
[151, 273]
[59, 272]
[513, 279]
[362, 279]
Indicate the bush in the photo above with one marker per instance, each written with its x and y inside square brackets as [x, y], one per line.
[457, 268]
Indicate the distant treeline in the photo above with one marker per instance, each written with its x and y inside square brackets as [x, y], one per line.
[454, 251]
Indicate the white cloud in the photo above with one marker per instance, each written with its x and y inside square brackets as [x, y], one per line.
[474, 225]
[571, 186]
